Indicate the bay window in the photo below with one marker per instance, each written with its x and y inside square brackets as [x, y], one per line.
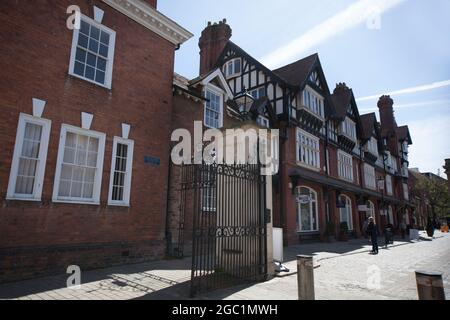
[369, 177]
[372, 146]
[348, 128]
[308, 149]
[345, 166]
[313, 102]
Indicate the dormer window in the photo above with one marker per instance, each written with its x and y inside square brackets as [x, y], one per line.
[233, 67]
[313, 102]
[92, 53]
[348, 128]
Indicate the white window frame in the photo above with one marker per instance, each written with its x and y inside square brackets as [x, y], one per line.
[263, 121]
[405, 191]
[390, 215]
[372, 146]
[314, 153]
[128, 174]
[99, 172]
[389, 187]
[369, 177]
[109, 61]
[215, 90]
[232, 63]
[42, 158]
[348, 128]
[313, 215]
[371, 209]
[317, 107]
[257, 92]
[342, 172]
[349, 212]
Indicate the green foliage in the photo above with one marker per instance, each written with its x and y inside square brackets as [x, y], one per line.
[435, 190]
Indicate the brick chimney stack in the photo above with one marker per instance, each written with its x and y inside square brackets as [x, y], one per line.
[340, 88]
[385, 106]
[212, 42]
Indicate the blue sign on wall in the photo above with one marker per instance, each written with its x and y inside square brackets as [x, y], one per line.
[152, 161]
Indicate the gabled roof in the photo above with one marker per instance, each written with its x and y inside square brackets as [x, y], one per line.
[297, 72]
[341, 100]
[211, 75]
[403, 134]
[232, 46]
[368, 124]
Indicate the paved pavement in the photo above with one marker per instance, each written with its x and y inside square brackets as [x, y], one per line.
[344, 270]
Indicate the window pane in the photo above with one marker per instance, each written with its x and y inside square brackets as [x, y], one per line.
[90, 72]
[104, 38]
[64, 188]
[93, 45]
[95, 33]
[83, 40]
[66, 172]
[76, 189]
[81, 55]
[84, 27]
[91, 59]
[103, 50]
[100, 77]
[78, 68]
[69, 155]
[101, 64]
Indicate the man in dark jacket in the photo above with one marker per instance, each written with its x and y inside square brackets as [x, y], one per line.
[372, 231]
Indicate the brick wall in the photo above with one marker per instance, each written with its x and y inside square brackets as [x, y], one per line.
[45, 237]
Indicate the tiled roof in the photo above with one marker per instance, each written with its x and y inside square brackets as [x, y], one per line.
[367, 124]
[296, 73]
[403, 133]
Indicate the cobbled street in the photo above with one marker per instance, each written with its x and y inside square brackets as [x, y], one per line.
[343, 270]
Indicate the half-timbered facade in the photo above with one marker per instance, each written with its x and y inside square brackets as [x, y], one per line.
[336, 168]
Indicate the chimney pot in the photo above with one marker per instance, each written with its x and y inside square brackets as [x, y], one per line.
[212, 42]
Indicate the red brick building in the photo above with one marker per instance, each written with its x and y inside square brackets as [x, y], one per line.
[336, 166]
[86, 116]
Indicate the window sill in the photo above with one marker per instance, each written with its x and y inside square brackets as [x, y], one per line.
[308, 232]
[124, 205]
[301, 164]
[90, 81]
[76, 202]
[23, 199]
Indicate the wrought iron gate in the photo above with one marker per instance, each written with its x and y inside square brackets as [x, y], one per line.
[227, 206]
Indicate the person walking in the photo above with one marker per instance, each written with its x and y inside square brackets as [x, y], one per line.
[372, 231]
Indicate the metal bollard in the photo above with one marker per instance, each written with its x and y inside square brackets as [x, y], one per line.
[430, 285]
[305, 277]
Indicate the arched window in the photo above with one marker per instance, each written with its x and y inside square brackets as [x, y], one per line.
[371, 211]
[307, 210]
[346, 213]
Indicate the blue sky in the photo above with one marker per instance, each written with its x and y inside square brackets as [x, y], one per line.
[375, 46]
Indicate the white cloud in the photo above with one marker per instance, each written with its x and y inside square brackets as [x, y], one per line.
[426, 87]
[353, 15]
[430, 143]
[410, 105]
